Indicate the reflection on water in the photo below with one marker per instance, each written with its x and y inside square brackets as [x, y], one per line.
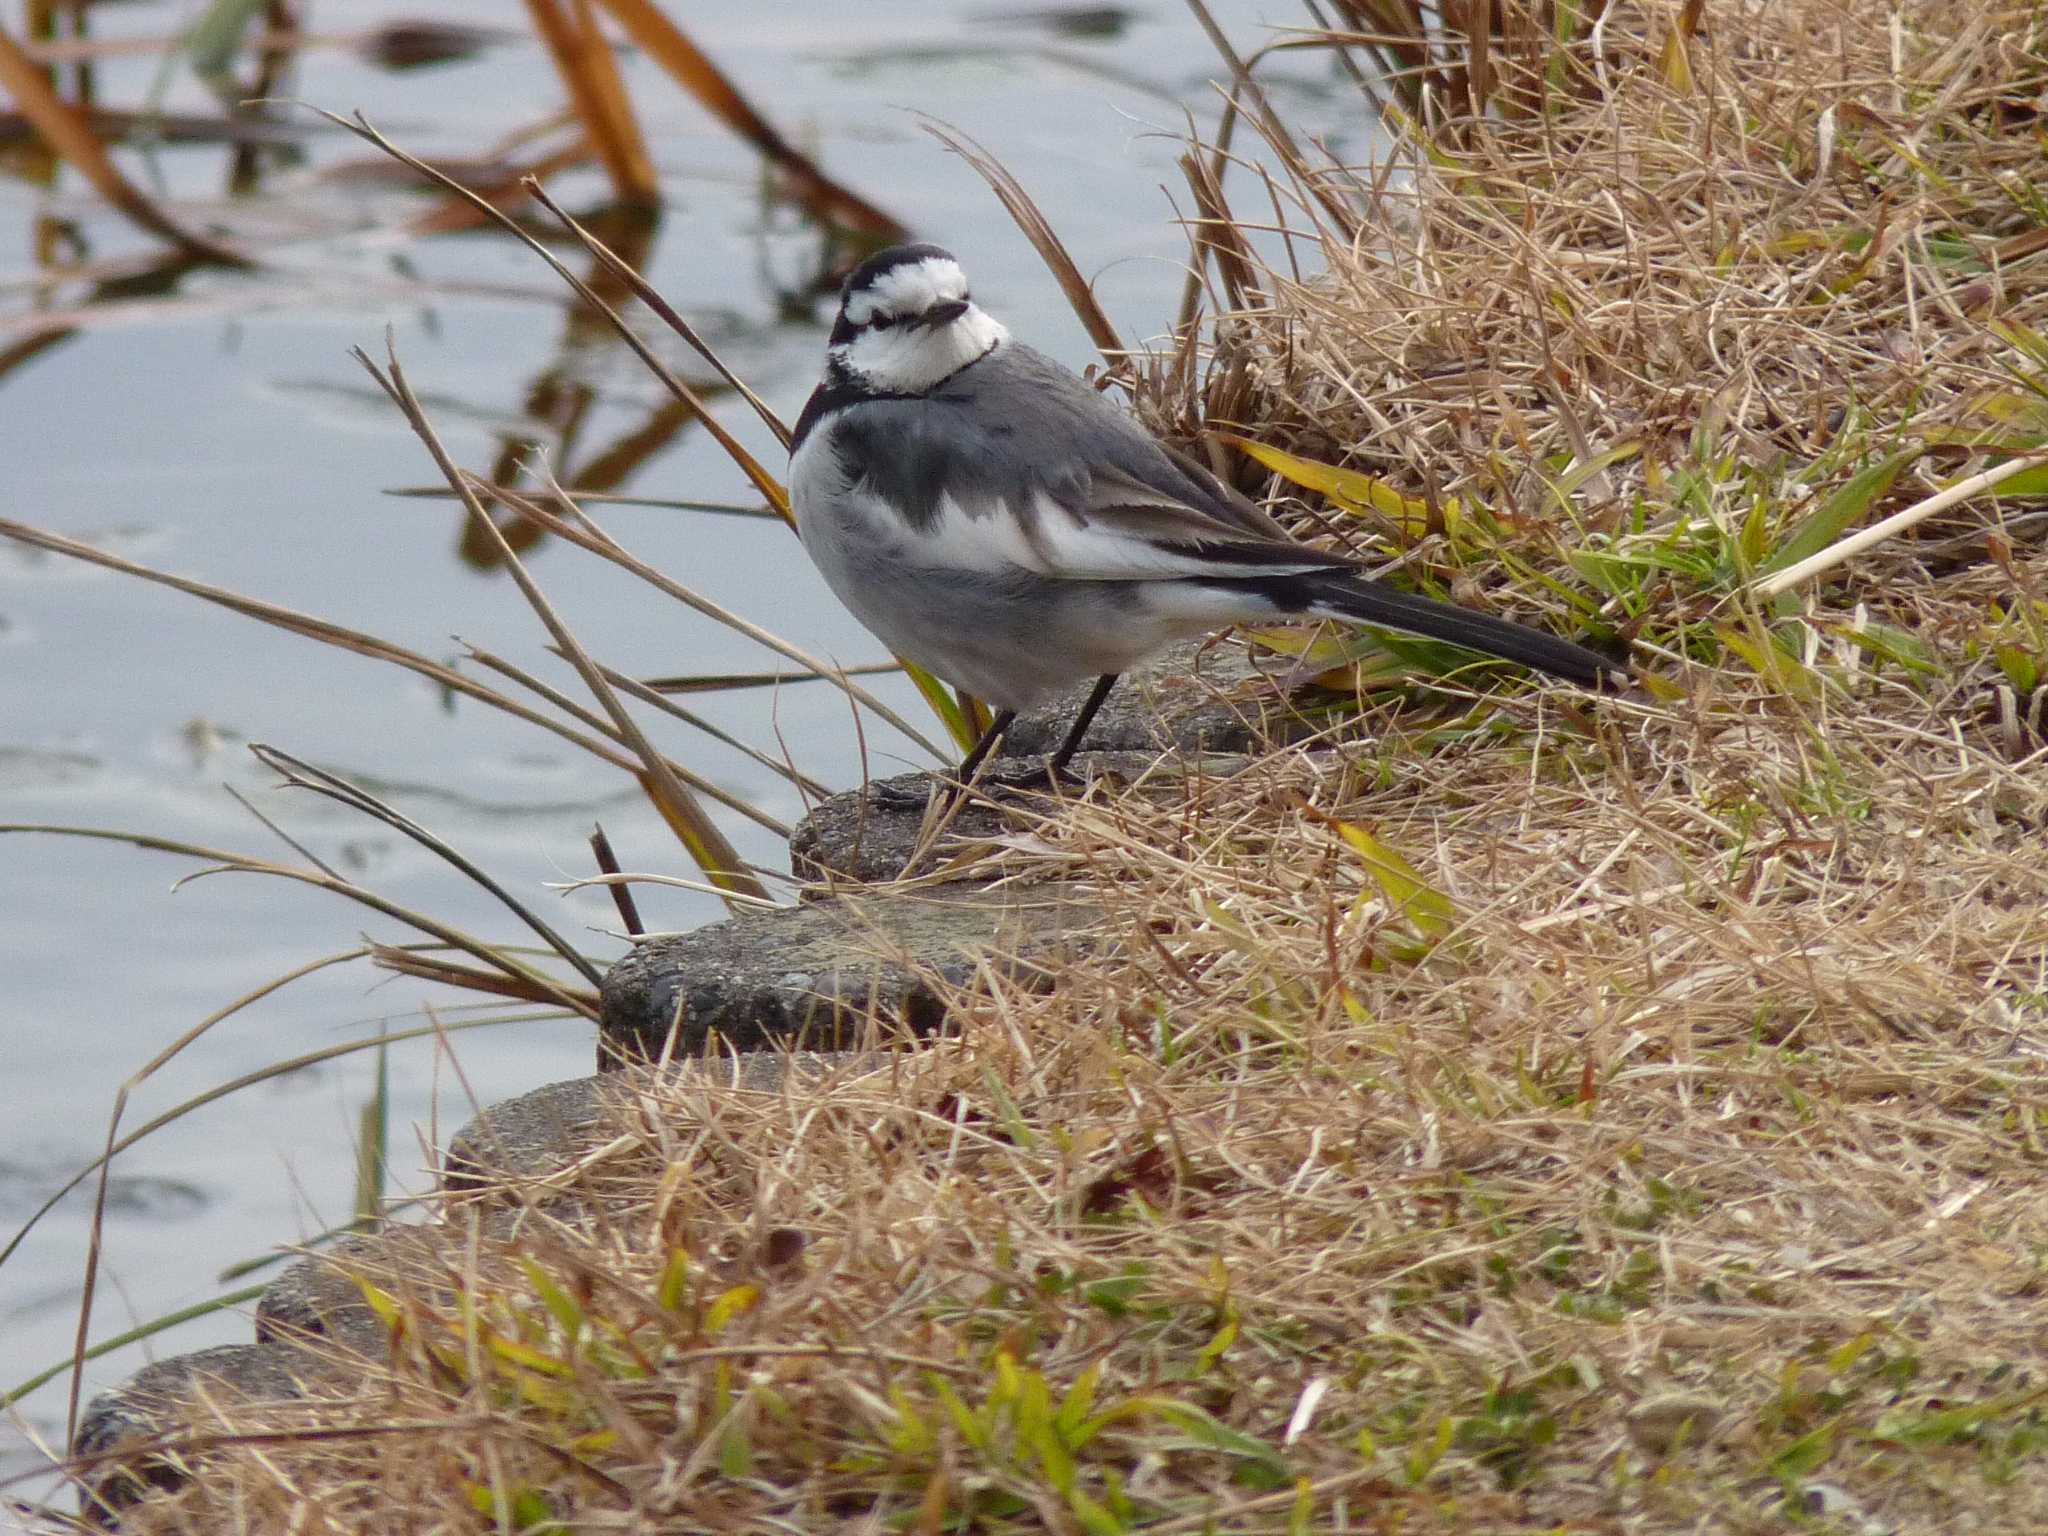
[214, 426]
[28, 768]
[128, 1197]
[562, 400]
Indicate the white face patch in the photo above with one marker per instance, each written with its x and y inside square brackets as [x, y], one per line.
[908, 290]
[910, 359]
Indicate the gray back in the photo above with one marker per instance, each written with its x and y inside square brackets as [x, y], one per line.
[1016, 424]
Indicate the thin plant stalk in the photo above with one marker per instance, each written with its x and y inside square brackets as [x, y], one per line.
[300, 774]
[1848, 548]
[617, 679]
[622, 893]
[221, 861]
[755, 510]
[314, 628]
[649, 295]
[585, 532]
[1039, 231]
[713, 853]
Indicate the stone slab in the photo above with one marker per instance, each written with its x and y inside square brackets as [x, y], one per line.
[871, 835]
[815, 975]
[1196, 697]
[508, 1146]
[119, 1426]
[540, 1133]
[318, 1296]
[874, 834]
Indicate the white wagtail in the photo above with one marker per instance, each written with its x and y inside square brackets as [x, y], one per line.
[993, 519]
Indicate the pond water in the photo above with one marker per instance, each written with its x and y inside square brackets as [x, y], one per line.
[216, 427]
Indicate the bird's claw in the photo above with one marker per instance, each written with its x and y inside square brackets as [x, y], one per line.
[1006, 776]
[911, 794]
[1026, 774]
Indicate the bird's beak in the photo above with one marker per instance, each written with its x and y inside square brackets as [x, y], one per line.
[943, 314]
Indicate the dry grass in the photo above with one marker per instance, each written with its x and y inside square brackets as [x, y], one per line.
[1530, 1117]
[1656, 328]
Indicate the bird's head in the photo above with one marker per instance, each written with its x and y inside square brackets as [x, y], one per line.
[906, 322]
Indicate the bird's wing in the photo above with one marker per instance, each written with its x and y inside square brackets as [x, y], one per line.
[1195, 512]
[1097, 522]
[1125, 506]
[1147, 513]
[1023, 465]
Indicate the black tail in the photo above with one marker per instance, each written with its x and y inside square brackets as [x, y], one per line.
[1340, 595]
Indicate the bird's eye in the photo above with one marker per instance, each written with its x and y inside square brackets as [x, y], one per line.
[882, 322]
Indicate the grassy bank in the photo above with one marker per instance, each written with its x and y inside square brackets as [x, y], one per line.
[1535, 1114]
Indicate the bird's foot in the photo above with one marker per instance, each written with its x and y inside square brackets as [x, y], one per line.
[911, 792]
[1019, 774]
[1004, 776]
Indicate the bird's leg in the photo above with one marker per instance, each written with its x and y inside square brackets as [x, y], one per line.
[901, 799]
[1058, 766]
[1004, 719]
[1054, 770]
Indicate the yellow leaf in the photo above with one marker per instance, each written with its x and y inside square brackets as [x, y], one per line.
[1288, 642]
[1675, 61]
[701, 839]
[1673, 65]
[379, 1301]
[1788, 672]
[548, 1396]
[1662, 689]
[515, 1353]
[958, 715]
[2017, 410]
[1353, 490]
[731, 1304]
[1797, 243]
[1414, 898]
[674, 1284]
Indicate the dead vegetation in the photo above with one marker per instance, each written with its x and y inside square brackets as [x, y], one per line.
[1531, 1116]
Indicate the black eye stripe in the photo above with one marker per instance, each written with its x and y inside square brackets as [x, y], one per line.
[882, 322]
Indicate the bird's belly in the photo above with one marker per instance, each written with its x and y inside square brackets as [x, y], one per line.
[1008, 635]
[1011, 640]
